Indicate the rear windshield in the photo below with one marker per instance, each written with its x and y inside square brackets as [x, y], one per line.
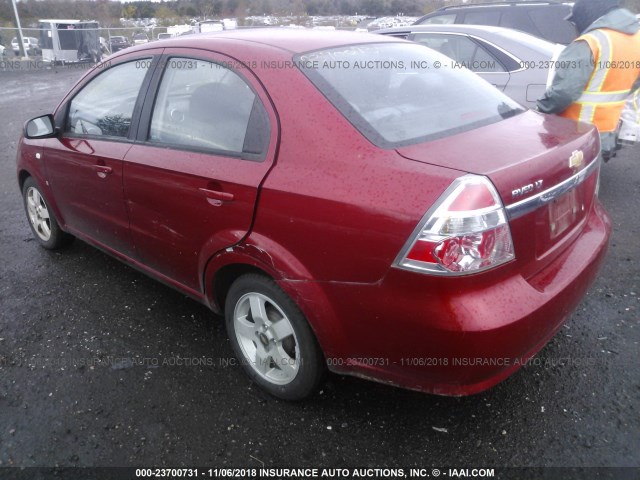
[398, 94]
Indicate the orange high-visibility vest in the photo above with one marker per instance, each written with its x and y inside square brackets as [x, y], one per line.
[617, 66]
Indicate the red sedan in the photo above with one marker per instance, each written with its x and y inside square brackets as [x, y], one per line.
[347, 201]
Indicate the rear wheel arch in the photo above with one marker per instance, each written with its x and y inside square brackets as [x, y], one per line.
[309, 296]
[272, 337]
[224, 278]
[256, 254]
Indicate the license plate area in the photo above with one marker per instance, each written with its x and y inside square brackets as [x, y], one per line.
[563, 213]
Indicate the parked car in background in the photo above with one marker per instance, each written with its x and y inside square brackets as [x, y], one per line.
[31, 46]
[164, 36]
[140, 39]
[425, 231]
[515, 62]
[544, 19]
[117, 43]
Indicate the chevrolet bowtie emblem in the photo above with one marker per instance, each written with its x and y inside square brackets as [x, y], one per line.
[576, 160]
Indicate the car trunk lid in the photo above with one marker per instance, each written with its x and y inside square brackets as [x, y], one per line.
[545, 169]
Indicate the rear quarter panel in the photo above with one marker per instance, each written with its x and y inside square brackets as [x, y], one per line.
[341, 207]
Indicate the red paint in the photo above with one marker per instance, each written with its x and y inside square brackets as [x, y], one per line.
[326, 213]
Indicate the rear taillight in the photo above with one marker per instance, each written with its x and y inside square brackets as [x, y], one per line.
[465, 232]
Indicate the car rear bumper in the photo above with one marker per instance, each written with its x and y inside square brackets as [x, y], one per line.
[453, 337]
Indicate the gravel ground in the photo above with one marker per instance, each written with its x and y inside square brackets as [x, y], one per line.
[577, 404]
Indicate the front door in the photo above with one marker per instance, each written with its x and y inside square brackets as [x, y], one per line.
[84, 165]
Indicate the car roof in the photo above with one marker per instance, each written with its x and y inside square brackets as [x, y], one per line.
[290, 40]
[453, 27]
[501, 5]
[499, 35]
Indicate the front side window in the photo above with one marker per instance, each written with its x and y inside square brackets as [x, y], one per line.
[412, 93]
[204, 105]
[104, 107]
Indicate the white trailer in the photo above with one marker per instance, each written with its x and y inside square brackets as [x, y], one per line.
[177, 30]
[216, 25]
[69, 41]
[210, 26]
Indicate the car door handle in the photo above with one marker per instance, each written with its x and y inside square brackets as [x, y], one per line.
[102, 169]
[216, 195]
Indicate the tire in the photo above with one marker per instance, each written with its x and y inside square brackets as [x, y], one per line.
[42, 220]
[280, 352]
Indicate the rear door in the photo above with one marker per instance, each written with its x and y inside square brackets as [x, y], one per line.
[206, 142]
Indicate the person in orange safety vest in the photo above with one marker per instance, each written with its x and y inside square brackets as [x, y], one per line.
[598, 71]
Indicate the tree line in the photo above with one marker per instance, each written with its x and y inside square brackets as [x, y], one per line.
[109, 12]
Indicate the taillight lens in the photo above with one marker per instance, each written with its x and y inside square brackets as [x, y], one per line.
[465, 232]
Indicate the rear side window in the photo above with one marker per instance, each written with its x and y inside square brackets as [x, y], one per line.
[440, 20]
[551, 24]
[484, 62]
[482, 18]
[104, 107]
[518, 19]
[204, 105]
[462, 49]
[412, 94]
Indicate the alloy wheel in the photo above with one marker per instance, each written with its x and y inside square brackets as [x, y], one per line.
[267, 339]
[38, 214]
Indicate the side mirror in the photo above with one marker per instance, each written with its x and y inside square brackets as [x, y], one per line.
[41, 127]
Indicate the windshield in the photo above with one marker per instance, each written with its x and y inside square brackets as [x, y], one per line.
[399, 94]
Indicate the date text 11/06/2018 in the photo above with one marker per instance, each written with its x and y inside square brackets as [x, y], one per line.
[303, 473]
